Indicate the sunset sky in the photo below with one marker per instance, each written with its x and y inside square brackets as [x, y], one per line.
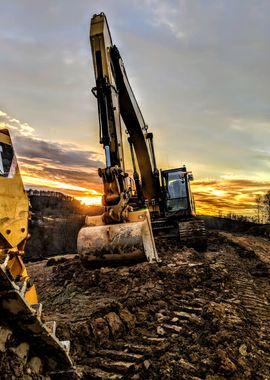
[199, 70]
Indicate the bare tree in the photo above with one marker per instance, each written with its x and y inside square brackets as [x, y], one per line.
[266, 202]
[259, 207]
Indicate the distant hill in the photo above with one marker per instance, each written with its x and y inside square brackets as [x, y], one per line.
[52, 203]
[55, 222]
[227, 224]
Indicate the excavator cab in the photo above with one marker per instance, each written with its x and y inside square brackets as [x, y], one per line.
[176, 190]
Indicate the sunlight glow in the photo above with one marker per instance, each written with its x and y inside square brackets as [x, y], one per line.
[89, 201]
[53, 184]
[218, 193]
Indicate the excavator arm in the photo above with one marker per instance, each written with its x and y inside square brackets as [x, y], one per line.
[106, 93]
[115, 98]
[116, 190]
[121, 232]
[136, 128]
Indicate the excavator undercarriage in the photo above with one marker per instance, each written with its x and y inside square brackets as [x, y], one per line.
[189, 233]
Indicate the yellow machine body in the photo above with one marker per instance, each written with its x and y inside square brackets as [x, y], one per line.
[14, 215]
[19, 305]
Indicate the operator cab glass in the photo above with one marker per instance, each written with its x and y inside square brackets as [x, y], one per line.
[176, 190]
[6, 157]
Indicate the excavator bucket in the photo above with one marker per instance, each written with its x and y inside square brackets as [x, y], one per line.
[117, 244]
[19, 307]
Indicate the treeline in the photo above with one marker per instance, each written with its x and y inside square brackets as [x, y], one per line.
[261, 212]
[53, 203]
[56, 204]
[263, 207]
[52, 194]
[238, 218]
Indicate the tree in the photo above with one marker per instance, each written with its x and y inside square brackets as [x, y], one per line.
[266, 202]
[259, 207]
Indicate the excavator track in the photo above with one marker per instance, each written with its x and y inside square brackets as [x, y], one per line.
[27, 326]
[192, 233]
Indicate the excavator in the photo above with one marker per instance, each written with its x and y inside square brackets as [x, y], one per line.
[151, 202]
[19, 306]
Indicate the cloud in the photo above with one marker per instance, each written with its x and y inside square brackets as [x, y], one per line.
[51, 161]
[228, 195]
[199, 69]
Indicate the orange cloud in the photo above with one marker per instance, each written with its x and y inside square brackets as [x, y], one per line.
[226, 196]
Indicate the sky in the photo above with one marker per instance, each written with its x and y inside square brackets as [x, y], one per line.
[199, 70]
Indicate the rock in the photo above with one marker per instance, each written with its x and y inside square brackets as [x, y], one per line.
[128, 318]
[115, 323]
[35, 364]
[146, 364]
[136, 377]
[56, 260]
[243, 349]
[173, 328]
[123, 272]
[142, 316]
[21, 351]
[105, 270]
[83, 328]
[160, 317]
[186, 365]
[160, 330]
[4, 336]
[225, 362]
[100, 329]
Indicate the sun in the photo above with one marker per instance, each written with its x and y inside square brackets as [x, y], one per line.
[90, 200]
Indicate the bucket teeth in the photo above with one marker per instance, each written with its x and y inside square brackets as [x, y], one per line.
[38, 309]
[66, 345]
[51, 326]
[27, 319]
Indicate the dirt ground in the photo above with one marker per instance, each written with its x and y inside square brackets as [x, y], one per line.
[193, 316]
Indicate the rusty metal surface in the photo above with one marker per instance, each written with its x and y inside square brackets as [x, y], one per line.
[123, 242]
[110, 239]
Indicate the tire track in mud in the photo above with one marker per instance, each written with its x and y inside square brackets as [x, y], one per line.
[131, 358]
[249, 289]
[196, 316]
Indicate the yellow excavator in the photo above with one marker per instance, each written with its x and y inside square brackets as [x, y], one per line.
[19, 307]
[153, 201]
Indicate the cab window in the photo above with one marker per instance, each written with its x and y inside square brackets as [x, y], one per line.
[6, 156]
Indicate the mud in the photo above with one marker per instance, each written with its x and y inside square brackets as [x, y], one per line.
[194, 316]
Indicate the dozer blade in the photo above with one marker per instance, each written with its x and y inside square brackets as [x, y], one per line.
[117, 244]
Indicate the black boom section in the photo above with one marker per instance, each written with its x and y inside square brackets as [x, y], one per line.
[134, 122]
